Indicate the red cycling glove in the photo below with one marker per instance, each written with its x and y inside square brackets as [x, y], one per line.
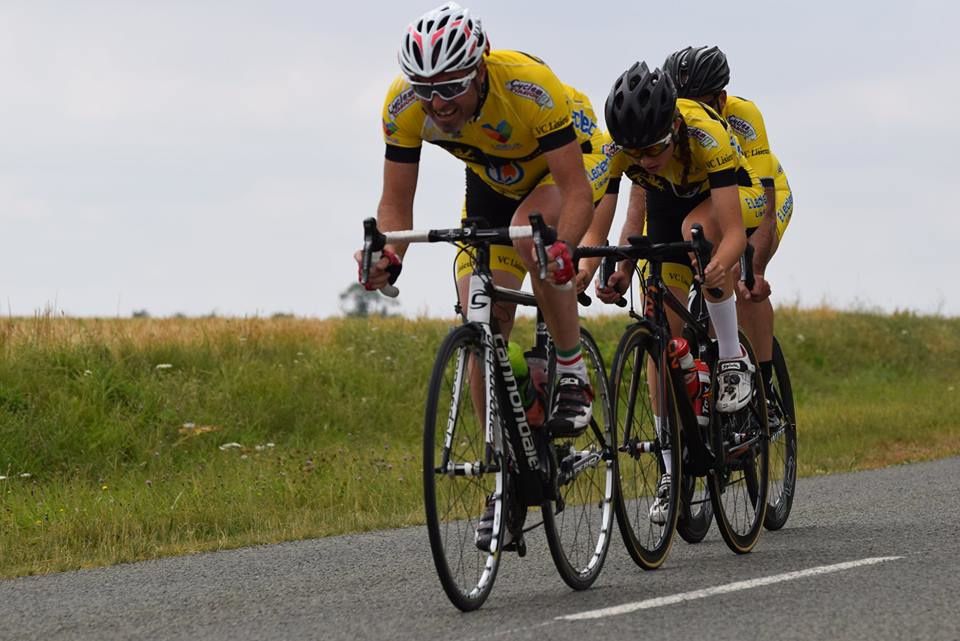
[560, 252]
[393, 268]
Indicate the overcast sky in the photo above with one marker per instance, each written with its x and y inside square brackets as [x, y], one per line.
[196, 157]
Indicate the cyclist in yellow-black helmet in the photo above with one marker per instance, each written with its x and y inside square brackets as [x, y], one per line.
[702, 74]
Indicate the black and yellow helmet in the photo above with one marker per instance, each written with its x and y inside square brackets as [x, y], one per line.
[698, 71]
[641, 106]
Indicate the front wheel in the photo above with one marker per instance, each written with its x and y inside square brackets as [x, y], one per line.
[783, 444]
[579, 522]
[646, 524]
[462, 472]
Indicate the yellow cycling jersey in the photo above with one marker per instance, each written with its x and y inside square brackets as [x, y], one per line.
[525, 112]
[747, 124]
[716, 159]
[585, 121]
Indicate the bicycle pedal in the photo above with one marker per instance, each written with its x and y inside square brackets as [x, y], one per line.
[518, 545]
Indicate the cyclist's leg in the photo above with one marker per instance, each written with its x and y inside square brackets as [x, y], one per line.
[734, 369]
[665, 225]
[574, 397]
[480, 201]
[756, 319]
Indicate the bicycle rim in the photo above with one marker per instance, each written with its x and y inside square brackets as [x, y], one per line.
[579, 523]
[639, 461]
[460, 472]
[738, 487]
[783, 444]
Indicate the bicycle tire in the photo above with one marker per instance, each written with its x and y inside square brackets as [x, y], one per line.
[740, 480]
[783, 444]
[639, 468]
[578, 525]
[454, 439]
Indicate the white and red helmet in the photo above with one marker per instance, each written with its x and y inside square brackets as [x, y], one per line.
[445, 39]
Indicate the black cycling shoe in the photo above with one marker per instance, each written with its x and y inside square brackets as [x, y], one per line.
[485, 529]
[573, 409]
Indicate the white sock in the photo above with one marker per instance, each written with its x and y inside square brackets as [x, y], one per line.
[724, 317]
[658, 423]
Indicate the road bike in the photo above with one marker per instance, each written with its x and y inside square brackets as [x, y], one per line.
[696, 515]
[480, 452]
[721, 466]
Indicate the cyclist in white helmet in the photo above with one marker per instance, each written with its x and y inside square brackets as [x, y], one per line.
[527, 150]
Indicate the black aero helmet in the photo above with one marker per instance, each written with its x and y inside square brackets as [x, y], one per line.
[641, 106]
[698, 71]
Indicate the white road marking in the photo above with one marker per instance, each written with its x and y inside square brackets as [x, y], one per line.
[721, 589]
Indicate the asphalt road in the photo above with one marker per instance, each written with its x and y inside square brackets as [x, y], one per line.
[872, 555]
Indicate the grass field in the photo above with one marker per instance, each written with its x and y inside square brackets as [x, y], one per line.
[129, 439]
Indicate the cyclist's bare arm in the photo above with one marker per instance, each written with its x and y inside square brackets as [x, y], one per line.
[725, 211]
[619, 280]
[597, 234]
[394, 212]
[635, 222]
[576, 206]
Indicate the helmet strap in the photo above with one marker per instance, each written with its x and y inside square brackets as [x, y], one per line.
[483, 90]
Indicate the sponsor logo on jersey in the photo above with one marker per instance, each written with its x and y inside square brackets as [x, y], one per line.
[501, 133]
[508, 174]
[756, 204]
[743, 128]
[559, 123]
[401, 102]
[530, 91]
[610, 149]
[719, 161]
[599, 169]
[706, 140]
[583, 122]
[390, 128]
[786, 210]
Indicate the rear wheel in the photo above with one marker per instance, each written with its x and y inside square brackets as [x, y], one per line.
[461, 473]
[640, 449]
[579, 523]
[783, 444]
[738, 487]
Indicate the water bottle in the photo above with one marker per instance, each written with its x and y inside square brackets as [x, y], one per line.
[530, 371]
[696, 378]
[517, 362]
[701, 404]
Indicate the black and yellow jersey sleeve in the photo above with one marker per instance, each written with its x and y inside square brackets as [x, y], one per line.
[526, 112]
[746, 122]
[716, 159]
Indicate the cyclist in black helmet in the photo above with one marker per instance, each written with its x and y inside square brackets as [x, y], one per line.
[685, 168]
[702, 74]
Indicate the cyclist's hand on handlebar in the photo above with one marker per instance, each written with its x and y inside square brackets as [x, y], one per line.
[383, 272]
[714, 274]
[759, 293]
[615, 288]
[559, 263]
[583, 280]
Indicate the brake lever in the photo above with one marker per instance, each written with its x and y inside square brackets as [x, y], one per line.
[373, 243]
[607, 266]
[703, 247]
